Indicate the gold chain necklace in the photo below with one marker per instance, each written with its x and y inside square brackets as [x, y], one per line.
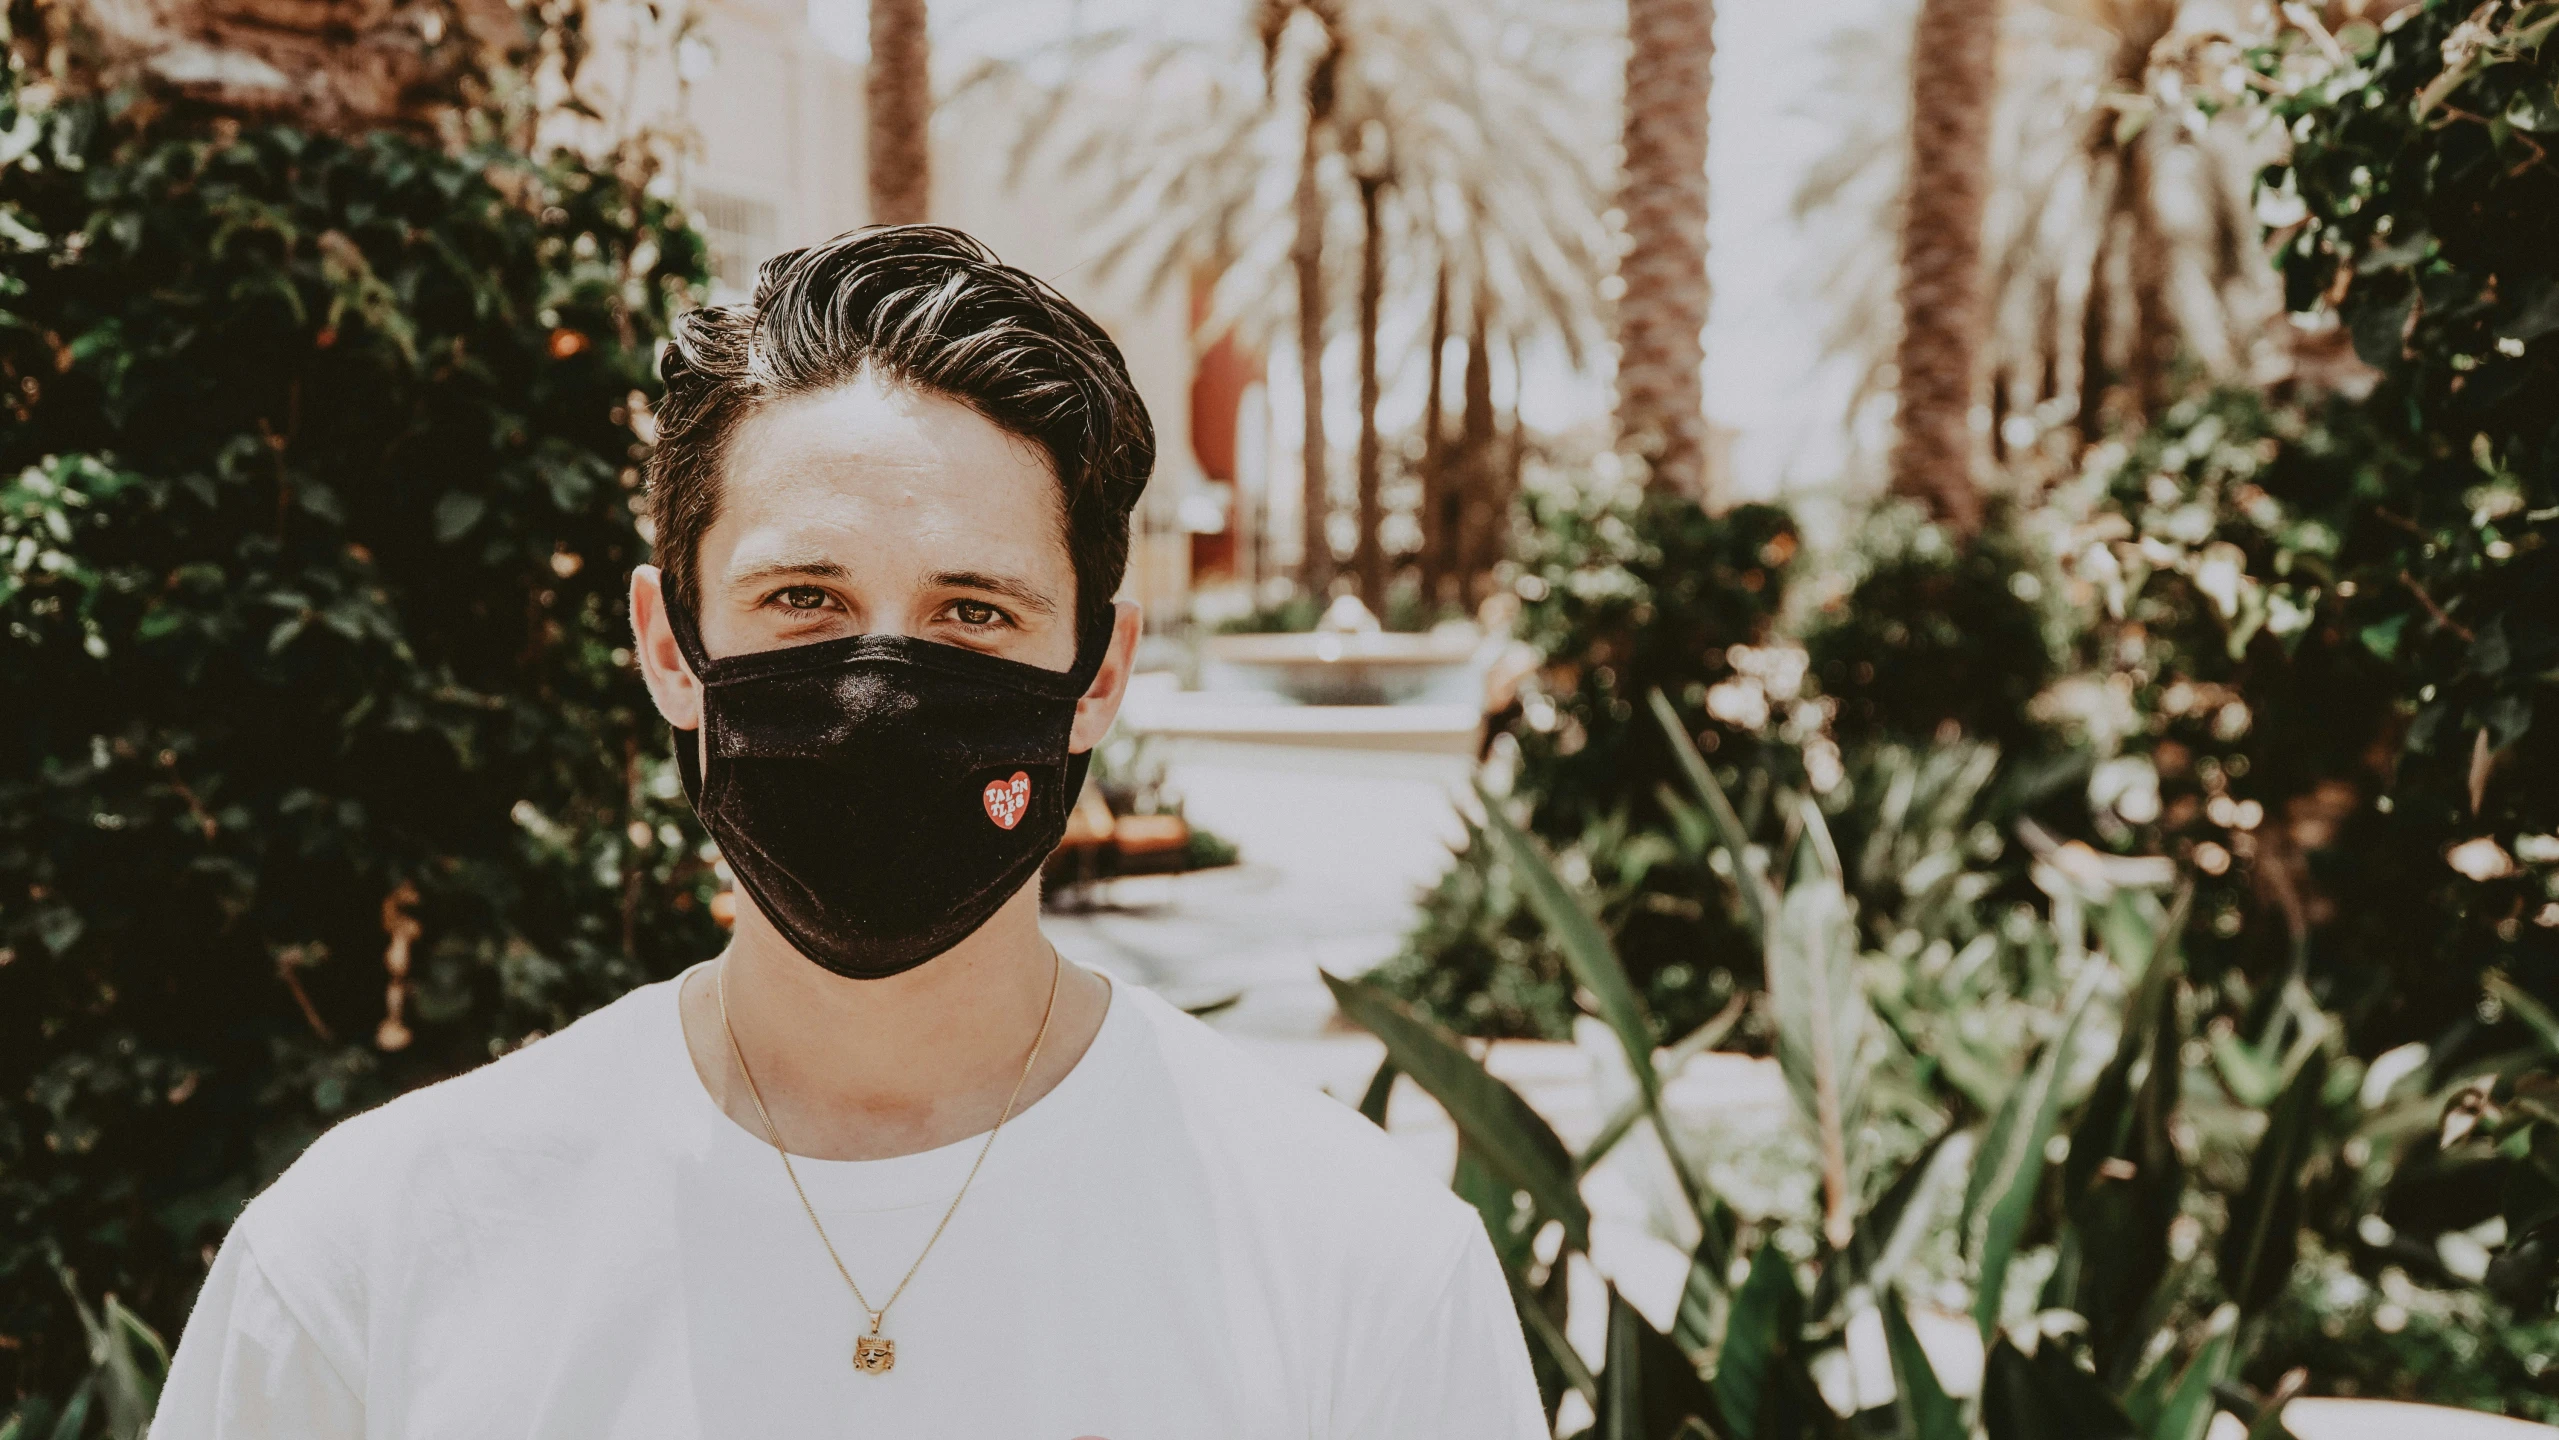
[875, 1353]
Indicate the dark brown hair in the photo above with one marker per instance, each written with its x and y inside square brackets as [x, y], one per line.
[914, 305]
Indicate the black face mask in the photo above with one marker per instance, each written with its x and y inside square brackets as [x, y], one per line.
[879, 797]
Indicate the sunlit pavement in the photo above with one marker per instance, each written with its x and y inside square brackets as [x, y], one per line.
[1336, 846]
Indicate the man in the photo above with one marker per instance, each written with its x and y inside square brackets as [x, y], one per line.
[887, 1166]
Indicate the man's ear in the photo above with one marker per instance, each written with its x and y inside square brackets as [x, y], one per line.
[1101, 703]
[671, 683]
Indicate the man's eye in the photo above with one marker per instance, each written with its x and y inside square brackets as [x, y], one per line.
[803, 597]
[976, 612]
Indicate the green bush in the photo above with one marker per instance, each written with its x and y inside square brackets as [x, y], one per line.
[1621, 592]
[319, 467]
[2263, 713]
[1940, 636]
[2135, 1229]
[2426, 207]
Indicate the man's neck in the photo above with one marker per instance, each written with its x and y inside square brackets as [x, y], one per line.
[868, 1069]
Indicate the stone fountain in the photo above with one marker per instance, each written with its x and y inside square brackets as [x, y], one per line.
[1350, 659]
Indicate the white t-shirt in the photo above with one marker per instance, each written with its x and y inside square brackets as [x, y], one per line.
[1173, 1244]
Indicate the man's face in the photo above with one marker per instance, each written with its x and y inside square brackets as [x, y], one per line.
[881, 510]
[877, 509]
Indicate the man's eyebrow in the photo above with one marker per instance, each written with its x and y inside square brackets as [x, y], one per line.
[790, 570]
[1013, 590]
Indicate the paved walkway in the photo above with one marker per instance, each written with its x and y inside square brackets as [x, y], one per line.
[1337, 844]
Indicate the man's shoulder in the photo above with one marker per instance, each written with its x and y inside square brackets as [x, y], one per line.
[365, 1182]
[1314, 1164]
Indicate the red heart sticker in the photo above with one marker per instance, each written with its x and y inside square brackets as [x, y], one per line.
[1007, 801]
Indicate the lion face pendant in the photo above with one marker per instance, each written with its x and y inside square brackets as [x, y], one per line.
[874, 1354]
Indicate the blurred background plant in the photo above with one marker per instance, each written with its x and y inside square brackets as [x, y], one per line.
[2044, 1190]
[321, 458]
[2272, 617]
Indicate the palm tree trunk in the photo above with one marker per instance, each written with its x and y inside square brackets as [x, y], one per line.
[2154, 347]
[1661, 316]
[1436, 517]
[1476, 464]
[2096, 323]
[900, 93]
[1315, 568]
[1953, 71]
[1371, 555]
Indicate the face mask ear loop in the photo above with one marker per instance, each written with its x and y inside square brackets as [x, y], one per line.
[1095, 649]
[688, 636]
[688, 640]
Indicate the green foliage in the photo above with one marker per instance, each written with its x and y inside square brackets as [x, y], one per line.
[2422, 174]
[1625, 591]
[1631, 594]
[2178, 1332]
[2376, 1333]
[1938, 635]
[128, 1366]
[319, 466]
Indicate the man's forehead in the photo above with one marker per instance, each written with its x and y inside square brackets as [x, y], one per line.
[828, 486]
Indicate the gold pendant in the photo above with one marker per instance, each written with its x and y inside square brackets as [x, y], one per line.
[875, 1353]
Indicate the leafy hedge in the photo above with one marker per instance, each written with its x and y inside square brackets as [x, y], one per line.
[2427, 200]
[324, 774]
[1622, 591]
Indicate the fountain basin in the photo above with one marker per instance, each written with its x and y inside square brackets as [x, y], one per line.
[1348, 667]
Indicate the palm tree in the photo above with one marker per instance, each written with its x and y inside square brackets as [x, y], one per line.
[2117, 234]
[1253, 166]
[1306, 257]
[1954, 73]
[1661, 315]
[899, 92]
[1370, 558]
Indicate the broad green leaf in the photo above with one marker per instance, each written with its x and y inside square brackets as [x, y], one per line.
[74, 1420]
[1752, 1380]
[2124, 1179]
[2187, 1409]
[2536, 1016]
[2047, 1397]
[1925, 1411]
[1758, 898]
[1823, 1021]
[1888, 1229]
[1817, 856]
[2105, 1124]
[1547, 1338]
[2252, 1078]
[2264, 1231]
[1701, 1298]
[1593, 961]
[1582, 939]
[1650, 1389]
[134, 1367]
[1510, 1137]
[2147, 1396]
[1381, 1088]
[1497, 1201]
[456, 513]
[2010, 1167]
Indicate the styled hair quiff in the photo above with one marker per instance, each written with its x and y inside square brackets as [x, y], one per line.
[917, 305]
